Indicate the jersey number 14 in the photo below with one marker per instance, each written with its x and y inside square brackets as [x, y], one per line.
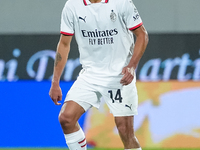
[118, 96]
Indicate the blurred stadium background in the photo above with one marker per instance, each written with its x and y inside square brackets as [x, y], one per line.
[168, 78]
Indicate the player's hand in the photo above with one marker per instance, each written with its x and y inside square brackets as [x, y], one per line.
[55, 93]
[128, 77]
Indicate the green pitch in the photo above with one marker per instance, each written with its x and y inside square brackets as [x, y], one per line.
[96, 149]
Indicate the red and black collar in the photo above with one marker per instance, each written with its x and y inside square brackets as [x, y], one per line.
[87, 2]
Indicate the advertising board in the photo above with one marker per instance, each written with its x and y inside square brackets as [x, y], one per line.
[168, 117]
[168, 82]
[168, 56]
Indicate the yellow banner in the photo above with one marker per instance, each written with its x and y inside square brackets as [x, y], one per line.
[168, 117]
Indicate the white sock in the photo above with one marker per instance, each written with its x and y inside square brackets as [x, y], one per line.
[76, 140]
[134, 149]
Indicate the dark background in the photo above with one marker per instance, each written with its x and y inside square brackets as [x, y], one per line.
[161, 46]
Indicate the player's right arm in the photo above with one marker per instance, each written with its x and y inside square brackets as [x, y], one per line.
[62, 53]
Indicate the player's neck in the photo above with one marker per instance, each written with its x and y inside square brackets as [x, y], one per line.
[95, 1]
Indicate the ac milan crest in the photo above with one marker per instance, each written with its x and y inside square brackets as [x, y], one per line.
[113, 16]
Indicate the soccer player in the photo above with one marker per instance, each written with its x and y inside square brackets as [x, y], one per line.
[104, 33]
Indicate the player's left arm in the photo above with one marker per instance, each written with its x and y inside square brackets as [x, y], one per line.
[139, 49]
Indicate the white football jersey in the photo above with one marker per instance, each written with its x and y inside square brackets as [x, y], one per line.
[102, 32]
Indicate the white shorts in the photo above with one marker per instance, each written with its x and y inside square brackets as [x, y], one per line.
[121, 102]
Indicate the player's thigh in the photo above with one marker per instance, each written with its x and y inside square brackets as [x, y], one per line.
[84, 94]
[123, 101]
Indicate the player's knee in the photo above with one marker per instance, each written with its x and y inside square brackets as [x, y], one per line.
[65, 119]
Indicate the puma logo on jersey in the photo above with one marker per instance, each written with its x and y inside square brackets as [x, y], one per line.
[129, 106]
[82, 19]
